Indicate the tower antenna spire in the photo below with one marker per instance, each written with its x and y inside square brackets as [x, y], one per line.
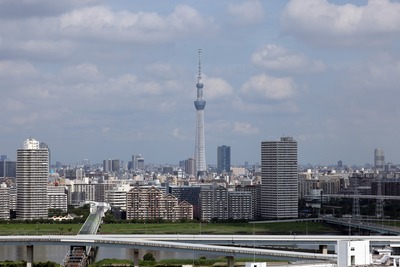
[199, 77]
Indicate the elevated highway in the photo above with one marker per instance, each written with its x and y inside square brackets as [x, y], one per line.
[383, 197]
[168, 242]
[363, 225]
[219, 245]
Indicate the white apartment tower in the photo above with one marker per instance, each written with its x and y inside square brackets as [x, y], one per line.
[279, 179]
[32, 176]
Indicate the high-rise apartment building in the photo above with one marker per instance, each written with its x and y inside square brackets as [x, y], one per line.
[223, 159]
[32, 176]
[279, 179]
[200, 150]
[379, 159]
[255, 191]
[240, 205]
[216, 202]
[213, 202]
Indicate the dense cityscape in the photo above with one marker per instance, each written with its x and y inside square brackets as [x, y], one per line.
[276, 189]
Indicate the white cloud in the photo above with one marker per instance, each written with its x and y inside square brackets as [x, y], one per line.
[274, 57]
[215, 88]
[48, 46]
[247, 12]
[376, 75]
[13, 105]
[219, 126]
[348, 24]
[246, 106]
[264, 87]
[17, 68]
[245, 128]
[82, 72]
[29, 8]
[160, 69]
[177, 133]
[142, 27]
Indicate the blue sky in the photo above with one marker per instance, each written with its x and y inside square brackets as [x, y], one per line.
[108, 79]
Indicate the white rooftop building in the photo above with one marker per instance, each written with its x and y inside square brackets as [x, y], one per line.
[353, 253]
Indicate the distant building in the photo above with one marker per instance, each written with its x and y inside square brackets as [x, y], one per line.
[189, 194]
[238, 171]
[152, 204]
[168, 170]
[255, 191]
[379, 159]
[79, 192]
[340, 164]
[8, 168]
[44, 145]
[213, 202]
[279, 179]
[32, 176]
[216, 202]
[137, 162]
[111, 165]
[305, 186]
[223, 159]
[190, 167]
[57, 197]
[116, 197]
[13, 198]
[5, 202]
[116, 165]
[240, 205]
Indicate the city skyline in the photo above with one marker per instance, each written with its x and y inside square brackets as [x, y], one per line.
[105, 79]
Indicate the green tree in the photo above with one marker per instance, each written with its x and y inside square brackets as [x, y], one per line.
[148, 257]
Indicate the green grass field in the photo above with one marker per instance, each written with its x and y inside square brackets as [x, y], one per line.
[299, 228]
[217, 228]
[39, 229]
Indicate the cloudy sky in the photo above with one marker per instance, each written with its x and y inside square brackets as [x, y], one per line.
[108, 79]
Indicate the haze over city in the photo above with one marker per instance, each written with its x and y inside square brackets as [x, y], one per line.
[109, 79]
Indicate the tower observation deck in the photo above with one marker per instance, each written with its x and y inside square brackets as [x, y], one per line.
[200, 104]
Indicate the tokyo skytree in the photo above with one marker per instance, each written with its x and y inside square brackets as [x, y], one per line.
[200, 154]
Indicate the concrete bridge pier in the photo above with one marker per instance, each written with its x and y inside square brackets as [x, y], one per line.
[135, 257]
[231, 261]
[323, 249]
[29, 256]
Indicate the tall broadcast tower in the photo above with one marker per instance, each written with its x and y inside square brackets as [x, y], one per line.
[199, 153]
